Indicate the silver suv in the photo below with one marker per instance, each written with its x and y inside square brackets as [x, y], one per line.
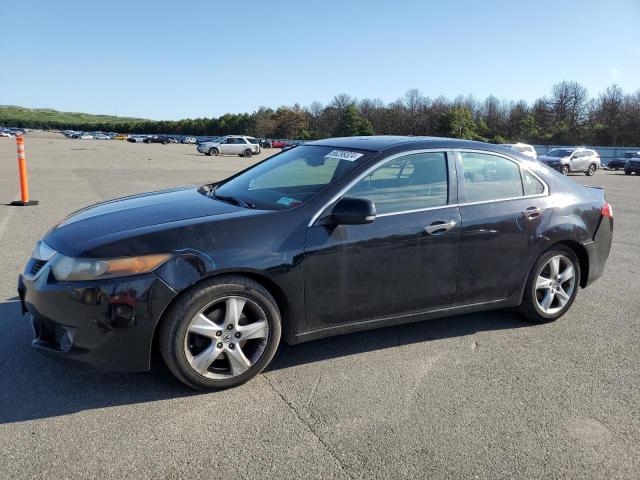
[231, 145]
[567, 160]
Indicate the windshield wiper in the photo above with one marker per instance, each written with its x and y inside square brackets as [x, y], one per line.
[232, 199]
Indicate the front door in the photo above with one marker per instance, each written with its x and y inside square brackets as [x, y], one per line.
[405, 261]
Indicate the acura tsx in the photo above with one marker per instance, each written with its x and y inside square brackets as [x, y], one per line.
[333, 236]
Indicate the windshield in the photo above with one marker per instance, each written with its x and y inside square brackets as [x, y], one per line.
[292, 177]
[631, 155]
[560, 152]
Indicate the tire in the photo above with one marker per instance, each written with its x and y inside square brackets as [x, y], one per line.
[627, 172]
[247, 153]
[534, 296]
[591, 170]
[180, 347]
[565, 170]
[213, 151]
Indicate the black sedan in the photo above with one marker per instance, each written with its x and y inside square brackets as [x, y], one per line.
[620, 162]
[330, 237]
[157, 139]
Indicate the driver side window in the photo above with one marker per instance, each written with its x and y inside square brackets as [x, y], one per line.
[412, 182]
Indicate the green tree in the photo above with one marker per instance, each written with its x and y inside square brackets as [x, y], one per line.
[461, 124]
[352, 124]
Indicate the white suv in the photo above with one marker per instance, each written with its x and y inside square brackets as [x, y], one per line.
[231, 145]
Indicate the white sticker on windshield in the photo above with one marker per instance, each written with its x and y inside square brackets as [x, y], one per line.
[344, 155]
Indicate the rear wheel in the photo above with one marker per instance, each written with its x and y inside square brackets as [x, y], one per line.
[221, 334]
[552, 285]
[247, 153]
[591, 170]
[627, 172]
[565, 170]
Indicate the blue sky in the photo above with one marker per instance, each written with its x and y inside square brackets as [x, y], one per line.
[170, 60]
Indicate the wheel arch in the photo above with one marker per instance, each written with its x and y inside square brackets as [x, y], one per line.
[288, 328]
[581, 253]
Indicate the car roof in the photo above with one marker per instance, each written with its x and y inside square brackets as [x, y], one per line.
[383, 142]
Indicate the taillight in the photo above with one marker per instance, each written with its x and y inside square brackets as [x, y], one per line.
[607, 211]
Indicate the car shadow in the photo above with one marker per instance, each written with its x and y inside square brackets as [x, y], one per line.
[390, 337]
[36, 386]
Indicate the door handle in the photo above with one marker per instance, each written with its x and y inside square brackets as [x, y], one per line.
[439, 226]
[532, 212]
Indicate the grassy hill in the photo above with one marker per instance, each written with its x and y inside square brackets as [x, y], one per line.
[20, 116]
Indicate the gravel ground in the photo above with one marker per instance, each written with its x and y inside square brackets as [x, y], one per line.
[475, 396]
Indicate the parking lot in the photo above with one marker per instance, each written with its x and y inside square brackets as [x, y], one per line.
[485, 395]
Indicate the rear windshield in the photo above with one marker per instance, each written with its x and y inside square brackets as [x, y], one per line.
[292, 177]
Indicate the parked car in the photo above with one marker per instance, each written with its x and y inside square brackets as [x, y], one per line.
[5, 134]
[334, 236]
[120, 137]
[523, 148]
[632, 165]
[620, 162]
[136, 138]
[85, 136]
[102, 136]
[230, 145]
[567, 160]
[189, 140]
[266, 143]
[279, 143]
[157, 139]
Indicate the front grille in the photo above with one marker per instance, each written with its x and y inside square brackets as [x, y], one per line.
[37, 266]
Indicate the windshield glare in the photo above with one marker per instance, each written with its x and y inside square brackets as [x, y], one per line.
[292, 177]
[560, 152]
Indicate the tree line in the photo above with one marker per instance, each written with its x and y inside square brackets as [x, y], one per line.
[567, 116]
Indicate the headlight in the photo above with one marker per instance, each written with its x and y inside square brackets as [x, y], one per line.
[43, 251]
[67, 269]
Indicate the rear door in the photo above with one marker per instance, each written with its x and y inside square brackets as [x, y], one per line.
[227, 146]
[240, 145]
[405, 261]
[503, 209]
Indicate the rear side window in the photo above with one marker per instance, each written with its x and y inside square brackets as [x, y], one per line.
[532, 186]
[489, 177]
[412, 182]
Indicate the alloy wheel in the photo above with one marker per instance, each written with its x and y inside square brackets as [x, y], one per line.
[565, 170]
[555, 284]
[226, 338]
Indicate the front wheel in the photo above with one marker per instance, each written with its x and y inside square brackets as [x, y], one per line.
[221, 334]
[565, 169]
[591, 170]
[213, 151]
[552, 285]
[627, 172]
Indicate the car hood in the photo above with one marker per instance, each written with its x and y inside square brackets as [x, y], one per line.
[135, 212]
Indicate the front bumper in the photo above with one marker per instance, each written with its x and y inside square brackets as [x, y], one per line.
[108, 324]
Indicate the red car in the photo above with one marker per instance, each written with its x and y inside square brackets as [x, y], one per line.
[279, 144]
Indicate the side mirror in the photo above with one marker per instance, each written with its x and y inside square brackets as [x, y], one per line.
[353, 211]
